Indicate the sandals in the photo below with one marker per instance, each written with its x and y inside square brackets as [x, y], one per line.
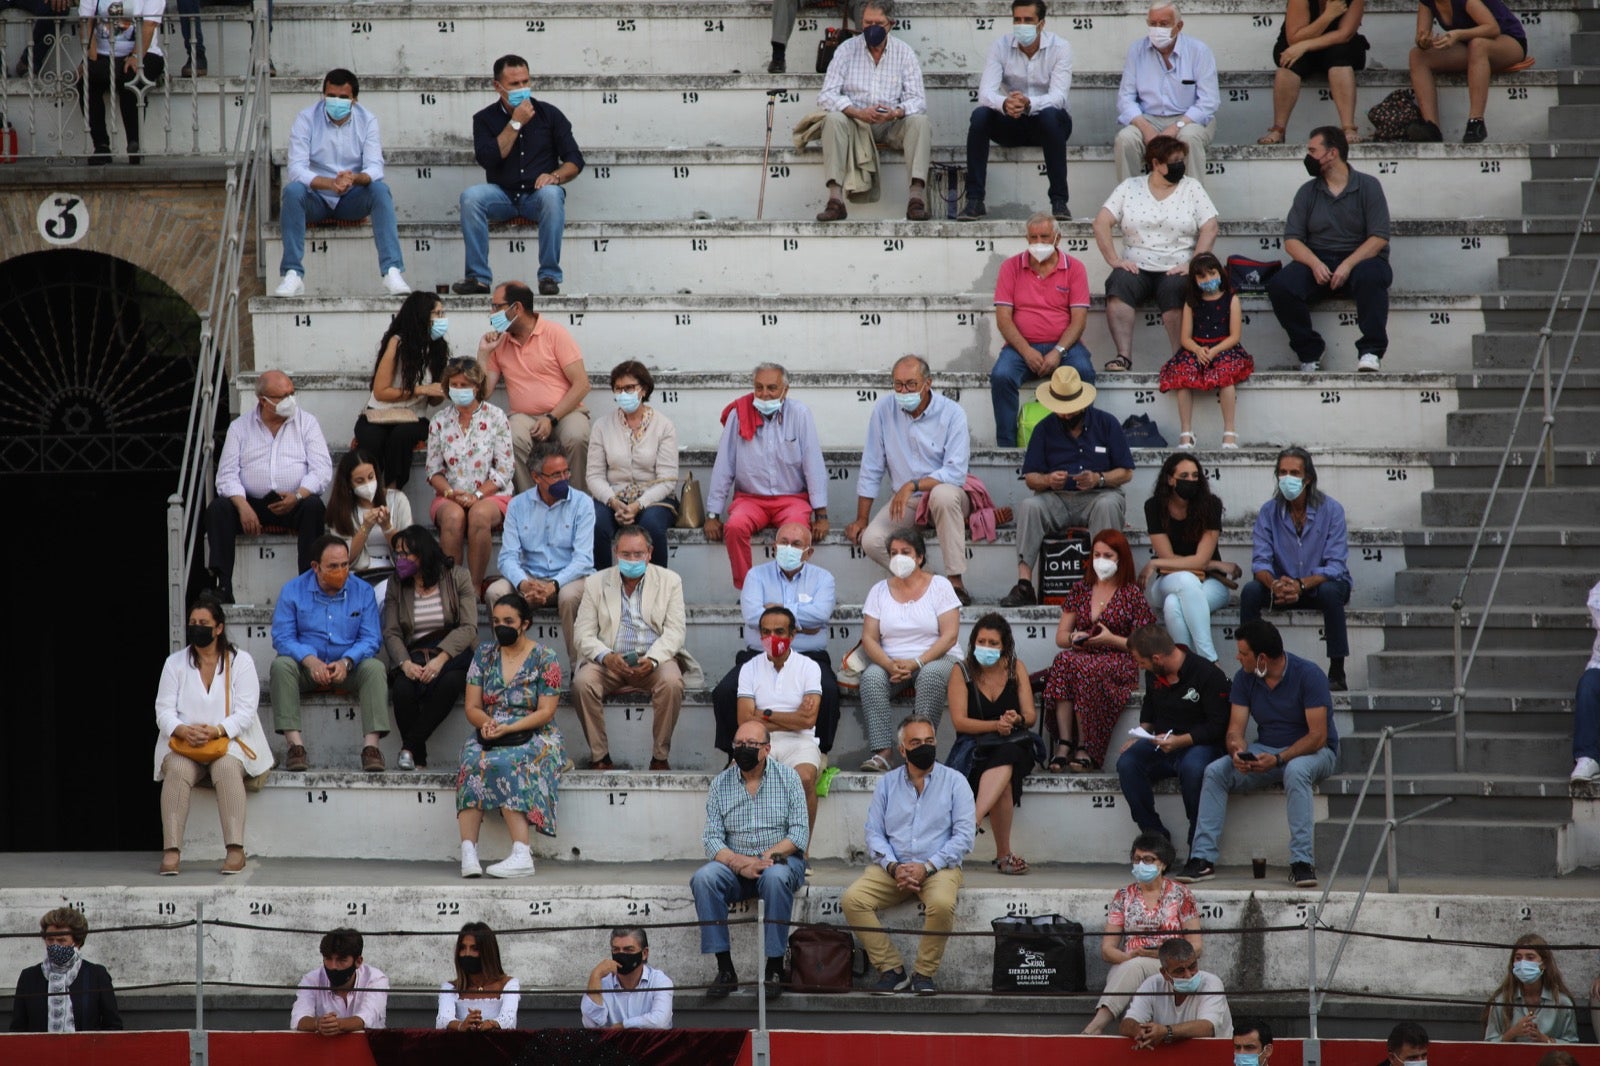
[1012, 864]
[1058, 763]
[1082, 764]
[1118, 363]
[1352, 134]
[1274, 135]
[1230, 441]
[876, 765]
[1186, 441]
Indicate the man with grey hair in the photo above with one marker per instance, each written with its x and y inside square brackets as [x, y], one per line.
[1181, 1002]
[769, 469]
[1169, 86]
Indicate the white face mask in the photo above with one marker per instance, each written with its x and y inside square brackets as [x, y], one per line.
[1160, 36]
[1041, 252]
[367, 489]
[902, 566]
[1261, 671]
[286, 407]
[1105, 569]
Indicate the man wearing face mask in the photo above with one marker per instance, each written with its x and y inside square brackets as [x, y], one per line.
[344, 994]
[920, 826]
[625, 991]
[628, 637]
[1252, 1043]
[918, 440]
[326, 632]
[66, 993]
[1041, 303]
[784, 691]
[1408, 1046]
[273, 468]
[1169, 88]
[336, 171]
[528, 155]
[769, 469]
[1179, 1003]
[1300, 557]
[1337, 235]
[1297, 745]
[1076, 465]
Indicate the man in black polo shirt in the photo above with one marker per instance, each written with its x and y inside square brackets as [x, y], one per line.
[1186, 705]
[528, 155]
[1076, 464]
[1337, 235]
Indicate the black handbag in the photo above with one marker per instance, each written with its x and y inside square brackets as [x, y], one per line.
[1038, 953]
[832, 38]
[504, 740]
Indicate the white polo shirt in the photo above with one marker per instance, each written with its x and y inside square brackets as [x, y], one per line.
[781, 691]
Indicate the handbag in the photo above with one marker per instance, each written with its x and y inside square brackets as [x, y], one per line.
[691, 504]
[216, 747]
[1251, 275]
[850, 668]
[821, 959]
[504, 740]
[390, 416]
[1038, 953]
[1393, 115]
[832, 38]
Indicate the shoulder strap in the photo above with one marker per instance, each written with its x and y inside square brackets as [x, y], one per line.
[227, 683]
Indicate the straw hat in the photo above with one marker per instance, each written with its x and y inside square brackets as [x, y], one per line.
[1065, 393]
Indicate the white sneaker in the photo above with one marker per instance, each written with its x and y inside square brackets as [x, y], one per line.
[469, 860]
[394, 282]
[518, 864]
[292, 285]
[1311, 366]
[1586, 770]
[1369, 363]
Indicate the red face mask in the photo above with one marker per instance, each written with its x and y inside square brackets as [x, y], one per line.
[777, 646]
[333, 580]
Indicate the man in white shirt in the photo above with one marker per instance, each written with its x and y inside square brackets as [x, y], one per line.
[874, 85]
[273, 468]
[784, 691]
[336, 171]
[344, 994]
[625, 992]
[1022, 100]
[122, 44]
[1179, 1003]
[1169, 86]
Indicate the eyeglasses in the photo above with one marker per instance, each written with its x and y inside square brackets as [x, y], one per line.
[750, 747]
[908, 386]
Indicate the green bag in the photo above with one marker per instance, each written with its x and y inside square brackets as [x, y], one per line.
[1033, 412]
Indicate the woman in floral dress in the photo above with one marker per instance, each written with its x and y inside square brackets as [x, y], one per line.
[469, 467]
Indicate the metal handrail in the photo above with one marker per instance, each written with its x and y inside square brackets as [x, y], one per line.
[247, 175]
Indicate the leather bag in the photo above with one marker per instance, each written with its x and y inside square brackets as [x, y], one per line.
[821, 959]
[691, 505]
[217, 747]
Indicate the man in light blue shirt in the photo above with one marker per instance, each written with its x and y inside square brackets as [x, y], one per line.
[547, 545]
[919, 441]
[326, 632]
[1169, 86]
[336, 171]
[920, 826]
[625, 991]
[1022, 100]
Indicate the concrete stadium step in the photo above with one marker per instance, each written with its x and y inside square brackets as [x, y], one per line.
[1545, 271]
[1505, 349]
[1576, 424]
[1459, 507]
[1522, 310]
[1446, 844]
[1580, 120]
[1494, 668]
[954, 332]
[1475, 467]
[1536, 545]
[1411, 407]
[677, 182]
[1488, 753]
[1554, 196]
[1560, 590]
[1552, 234]
[772, 257]
[1542, 710]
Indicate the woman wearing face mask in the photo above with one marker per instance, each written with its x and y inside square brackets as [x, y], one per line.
[407, 382]
[514, 756]
[1186, 576]
[1144, 914]
[633, 465]
[430, 625]
[366, 515]
[469, 467]
[1092, 677]
[909, 623]
[66, 993]
[1532, 1004]
[991, 701]
[482, 996]
[206, 715]
[1166, 218]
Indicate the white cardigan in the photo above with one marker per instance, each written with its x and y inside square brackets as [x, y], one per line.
[181, 699]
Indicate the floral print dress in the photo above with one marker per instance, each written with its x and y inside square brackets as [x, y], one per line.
[469, 457]
[522, 777]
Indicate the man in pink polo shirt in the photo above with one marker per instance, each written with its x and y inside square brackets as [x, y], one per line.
[1041, 302]
[546, 380]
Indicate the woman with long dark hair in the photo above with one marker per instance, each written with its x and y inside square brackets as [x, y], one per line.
[430, 626]
[482, 995]
[366, 515]
[1186, 576]
[992, 702]
[407, 382]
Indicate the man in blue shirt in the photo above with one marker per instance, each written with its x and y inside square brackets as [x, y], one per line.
[1076, 464]
[1169, 87]
[528, 155]
[547, 544]
[326, 633]
[1300, 557]
[792, 581]
[1297, 745]
[920, 825]
[336, 171]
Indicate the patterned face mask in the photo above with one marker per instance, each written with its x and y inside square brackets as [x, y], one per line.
[60, 955]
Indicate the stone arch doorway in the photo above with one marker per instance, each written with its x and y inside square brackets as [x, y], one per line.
[97, 368]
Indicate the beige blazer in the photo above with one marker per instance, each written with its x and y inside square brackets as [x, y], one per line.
[600, 617]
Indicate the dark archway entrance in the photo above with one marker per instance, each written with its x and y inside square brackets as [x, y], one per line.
[97, 366]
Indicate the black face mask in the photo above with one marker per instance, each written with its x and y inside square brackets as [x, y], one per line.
[1187, 490]
[922, 758]
[627, 961]
[506, 635]
[1175, 171]
[471, 965]
[339, 978]
[200, 636]
[746, 758]
[1313, 167]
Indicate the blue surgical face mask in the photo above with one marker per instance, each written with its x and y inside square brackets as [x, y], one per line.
[1291, 487]
[986, 656]
[768, 408]
[1527, 972]
[908, 401]
[463, 397]
[1186, 986]
[790, 556]
[1145, 872]
[438, 327]
[632, 569]
[1210, 285]
[628, 401]
[1025, 34]
[518, 97]
[499, 321]
[1246, 1058]
[559, 490]
[338, 107]
[875, 36]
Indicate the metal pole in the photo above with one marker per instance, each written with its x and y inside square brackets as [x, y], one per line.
[1458, 693]
[1311, 969]
[772, 103]
[175, 574]
[1387, 740]
[199, 1050]
[760, 1041]
[1549, 418]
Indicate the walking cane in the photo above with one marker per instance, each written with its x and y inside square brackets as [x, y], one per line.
[772, 105]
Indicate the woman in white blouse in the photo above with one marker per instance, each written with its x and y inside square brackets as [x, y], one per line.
[366, 515]
[1166, 219]
[481, 996]
[209, 690]
[909, 624]
[633, 465]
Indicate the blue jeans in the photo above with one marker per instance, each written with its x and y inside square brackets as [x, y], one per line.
[715, 886]
[655, 519]
[1586, 717]
[303, 205]
[194, 37]
[1186, 605]
[1328, 597]
[1011, 370]
[1049, 129]
[1144, 764]
[483, 204]
[1297, 779]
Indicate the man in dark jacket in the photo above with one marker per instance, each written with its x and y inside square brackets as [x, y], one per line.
[66, 993]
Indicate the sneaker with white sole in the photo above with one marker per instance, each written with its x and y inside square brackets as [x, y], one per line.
[1310, 366]
[291, 285]
[1369, 363]
[406, 761]
[394, 283]
[518, 864]
[470, 867]
[1586, 770]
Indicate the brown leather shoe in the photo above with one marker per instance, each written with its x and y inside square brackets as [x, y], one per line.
[602, 763]
[834, 212]
[917, 209]
[371, 760]
[296, 761]
[169, 863]
[659, 764]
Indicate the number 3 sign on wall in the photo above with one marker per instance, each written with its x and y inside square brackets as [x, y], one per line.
[63, 218]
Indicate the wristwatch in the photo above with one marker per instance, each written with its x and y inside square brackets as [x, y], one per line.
[1181, 123]
[478, 493]
[514, 124]
[1060, 349]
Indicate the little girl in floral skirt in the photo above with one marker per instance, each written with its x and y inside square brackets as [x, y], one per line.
[1210, 357]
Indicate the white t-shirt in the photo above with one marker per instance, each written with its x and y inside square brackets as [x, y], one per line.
[781, 691]
[1154, 1002]
[908, 630]
[1160, 234]
[117, 23]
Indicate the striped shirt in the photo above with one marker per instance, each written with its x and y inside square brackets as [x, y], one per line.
[854, 80]
[427, 612]
[748, 824]
[256, 461]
